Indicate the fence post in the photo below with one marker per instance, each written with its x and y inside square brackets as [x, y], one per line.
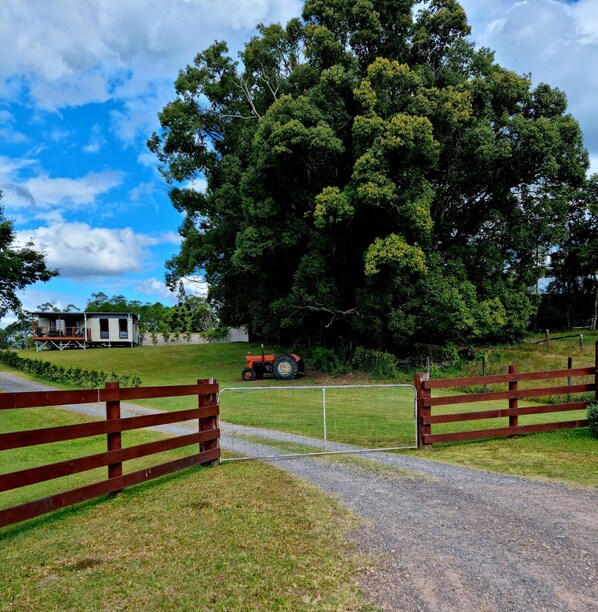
[485, 387]
[324, 414]
[596, 373]
[569, 379]
[207, 423]
[513, 401]
[114, 438]
[422, 410]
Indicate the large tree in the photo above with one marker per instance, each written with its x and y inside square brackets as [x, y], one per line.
[371, 177]
[19, 267]
[574, 263]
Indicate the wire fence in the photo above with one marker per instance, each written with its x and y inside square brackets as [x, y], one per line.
[267, 422]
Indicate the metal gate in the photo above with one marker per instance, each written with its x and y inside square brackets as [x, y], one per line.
[289, 421]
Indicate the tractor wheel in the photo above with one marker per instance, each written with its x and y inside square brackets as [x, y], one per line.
[285, 368]
[248, 374]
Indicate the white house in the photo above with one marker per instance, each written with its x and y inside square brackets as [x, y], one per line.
[62, 330]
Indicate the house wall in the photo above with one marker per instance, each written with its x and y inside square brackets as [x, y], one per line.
[93, 323]
[239, 334]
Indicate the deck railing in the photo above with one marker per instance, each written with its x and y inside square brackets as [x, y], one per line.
[58, 333]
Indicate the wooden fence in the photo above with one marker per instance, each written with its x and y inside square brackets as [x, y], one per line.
[207, 438]
[512, 411]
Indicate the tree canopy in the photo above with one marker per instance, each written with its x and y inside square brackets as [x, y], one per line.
[371, 177]
[19, 267]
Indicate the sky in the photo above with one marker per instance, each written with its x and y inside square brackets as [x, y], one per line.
[81, 86]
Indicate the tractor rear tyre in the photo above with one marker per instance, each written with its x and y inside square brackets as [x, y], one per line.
[248, 374]
[285, 368]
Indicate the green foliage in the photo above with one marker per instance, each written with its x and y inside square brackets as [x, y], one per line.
[19, 267]
[192, 314]
[378, 363]
[372, 179]
[593, 419]
[67, 375]
[332, 361]
[216, 333]
[574, 266]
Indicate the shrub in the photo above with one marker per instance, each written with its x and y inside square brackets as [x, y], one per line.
[593, 419]
[335, 362]
[378, 363]
[216, 333]
[72, 376]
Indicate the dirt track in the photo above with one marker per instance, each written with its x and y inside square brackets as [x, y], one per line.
[451, 538]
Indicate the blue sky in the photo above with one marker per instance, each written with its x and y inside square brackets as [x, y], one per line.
[82, 82]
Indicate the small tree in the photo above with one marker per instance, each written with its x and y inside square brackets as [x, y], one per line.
[19, 267]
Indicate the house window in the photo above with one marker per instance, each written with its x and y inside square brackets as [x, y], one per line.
[104, 333]
[123, 329]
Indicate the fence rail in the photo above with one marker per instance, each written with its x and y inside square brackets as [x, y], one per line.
[513, 394]
[207, 438]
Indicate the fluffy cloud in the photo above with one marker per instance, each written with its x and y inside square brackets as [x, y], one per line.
[41, 191]
[8, 133]
[81, 251]
[70, 52]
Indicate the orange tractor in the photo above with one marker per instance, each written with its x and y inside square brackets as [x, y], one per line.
[283, 367]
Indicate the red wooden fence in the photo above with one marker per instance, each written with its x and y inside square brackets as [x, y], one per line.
[513, 394]
[207, 438]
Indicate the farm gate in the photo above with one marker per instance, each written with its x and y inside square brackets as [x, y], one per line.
[288, 421]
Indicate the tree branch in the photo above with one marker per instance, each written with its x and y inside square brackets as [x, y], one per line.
[349, 312]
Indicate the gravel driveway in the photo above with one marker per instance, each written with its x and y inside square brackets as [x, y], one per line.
[451, 538]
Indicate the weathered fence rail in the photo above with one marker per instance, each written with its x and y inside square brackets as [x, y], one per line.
[513, 394]
[207, 437]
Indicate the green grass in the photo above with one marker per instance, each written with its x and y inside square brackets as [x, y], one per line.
[568, 457]
[160, 365]
[242, 536]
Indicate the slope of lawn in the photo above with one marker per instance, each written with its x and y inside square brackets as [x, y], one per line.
[244, 535]
[241, 536]
[159, 365]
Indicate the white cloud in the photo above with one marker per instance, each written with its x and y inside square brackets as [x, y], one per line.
[70, 52]
[8, 133]
[42, 191]
[195, 285]
[142, 191]
[80, 251]
[153, 286]
[199, 184]
[96, 140]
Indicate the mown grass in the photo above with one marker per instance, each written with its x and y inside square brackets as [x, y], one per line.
[569, 457]
[159, 365]
[241, 536]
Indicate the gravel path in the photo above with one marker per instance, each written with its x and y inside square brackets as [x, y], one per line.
[452, 538]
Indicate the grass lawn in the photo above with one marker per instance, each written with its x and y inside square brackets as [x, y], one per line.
[243, 536]
[569, 457]
[240, 536]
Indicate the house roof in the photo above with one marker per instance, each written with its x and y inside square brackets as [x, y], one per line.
[82, 314]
